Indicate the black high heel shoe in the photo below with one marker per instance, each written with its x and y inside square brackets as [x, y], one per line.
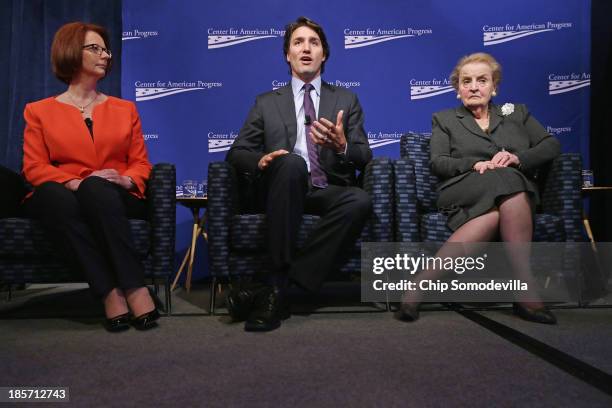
[541, 315]
[146, 321]
[118, 323]
[407, 312]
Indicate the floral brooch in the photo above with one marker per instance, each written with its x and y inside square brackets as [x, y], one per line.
[507, 109]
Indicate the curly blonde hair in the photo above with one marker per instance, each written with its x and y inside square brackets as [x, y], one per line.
[477, 57]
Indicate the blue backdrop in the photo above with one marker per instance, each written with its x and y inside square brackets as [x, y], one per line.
[195, 67]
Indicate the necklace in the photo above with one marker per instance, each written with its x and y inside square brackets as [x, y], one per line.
[83, 107]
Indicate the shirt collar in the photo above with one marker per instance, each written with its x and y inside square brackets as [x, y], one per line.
[297, 84]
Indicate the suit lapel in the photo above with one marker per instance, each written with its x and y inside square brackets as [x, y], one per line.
[495, 117]
[327, 103]
[468, 122]
[286, 107]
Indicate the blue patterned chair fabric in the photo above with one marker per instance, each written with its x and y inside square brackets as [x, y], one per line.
[558, 219]
[236, 239]
[27, 255]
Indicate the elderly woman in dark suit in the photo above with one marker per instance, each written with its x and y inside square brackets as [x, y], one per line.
[483, 154]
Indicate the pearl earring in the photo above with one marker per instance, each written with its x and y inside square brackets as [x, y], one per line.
[494, 93]
[458, 96]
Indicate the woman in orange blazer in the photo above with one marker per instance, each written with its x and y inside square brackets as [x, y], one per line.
[84, 153]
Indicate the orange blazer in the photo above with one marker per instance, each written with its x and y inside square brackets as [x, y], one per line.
[57, 145]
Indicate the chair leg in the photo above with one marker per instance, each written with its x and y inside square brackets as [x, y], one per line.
[213, 295]
[168, 297]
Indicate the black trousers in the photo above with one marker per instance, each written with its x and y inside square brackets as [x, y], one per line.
[91, 231]
[287, 195]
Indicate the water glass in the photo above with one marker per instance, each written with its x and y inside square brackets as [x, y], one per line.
[202, 190]
[588, 180]
[189, 188]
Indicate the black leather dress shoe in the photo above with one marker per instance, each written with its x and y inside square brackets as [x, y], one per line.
[117, 323]
[146, 321]
[541, 315]
[407, 312]
[239, 300]
[270, 306]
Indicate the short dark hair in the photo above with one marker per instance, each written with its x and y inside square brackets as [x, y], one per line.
[305, 22]
[67, 49]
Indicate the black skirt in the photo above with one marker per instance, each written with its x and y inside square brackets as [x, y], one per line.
[476, 194]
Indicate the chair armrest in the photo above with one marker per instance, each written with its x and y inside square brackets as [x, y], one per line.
[222, 204]
[561, 194]
[378, 183]
[406, 215]
[161, 204]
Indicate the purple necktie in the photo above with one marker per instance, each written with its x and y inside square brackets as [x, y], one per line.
[318, 177]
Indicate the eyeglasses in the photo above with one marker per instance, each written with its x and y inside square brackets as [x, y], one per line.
[98, 50]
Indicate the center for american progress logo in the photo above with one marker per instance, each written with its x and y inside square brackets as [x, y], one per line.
[153, 90]
[497, 34]
[138, 34]
[226, 37]
[420, 89]
[562, 83]
[220, 141]
[357, 38]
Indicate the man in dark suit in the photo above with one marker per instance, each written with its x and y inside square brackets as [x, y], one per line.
[303, 143]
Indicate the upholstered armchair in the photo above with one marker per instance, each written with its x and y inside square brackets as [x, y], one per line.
[236, 237]
[557, 219]
[27, 254]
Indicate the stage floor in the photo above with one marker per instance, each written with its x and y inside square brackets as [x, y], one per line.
[51, 336]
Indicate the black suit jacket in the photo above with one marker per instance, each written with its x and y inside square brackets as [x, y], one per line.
[457, 142]
[271, 125]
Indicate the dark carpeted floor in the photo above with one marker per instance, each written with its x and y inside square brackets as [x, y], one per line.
[317, 360]
[583, 333]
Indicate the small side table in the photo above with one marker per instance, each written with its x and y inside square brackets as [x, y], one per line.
[195, 204]
[586, 192]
